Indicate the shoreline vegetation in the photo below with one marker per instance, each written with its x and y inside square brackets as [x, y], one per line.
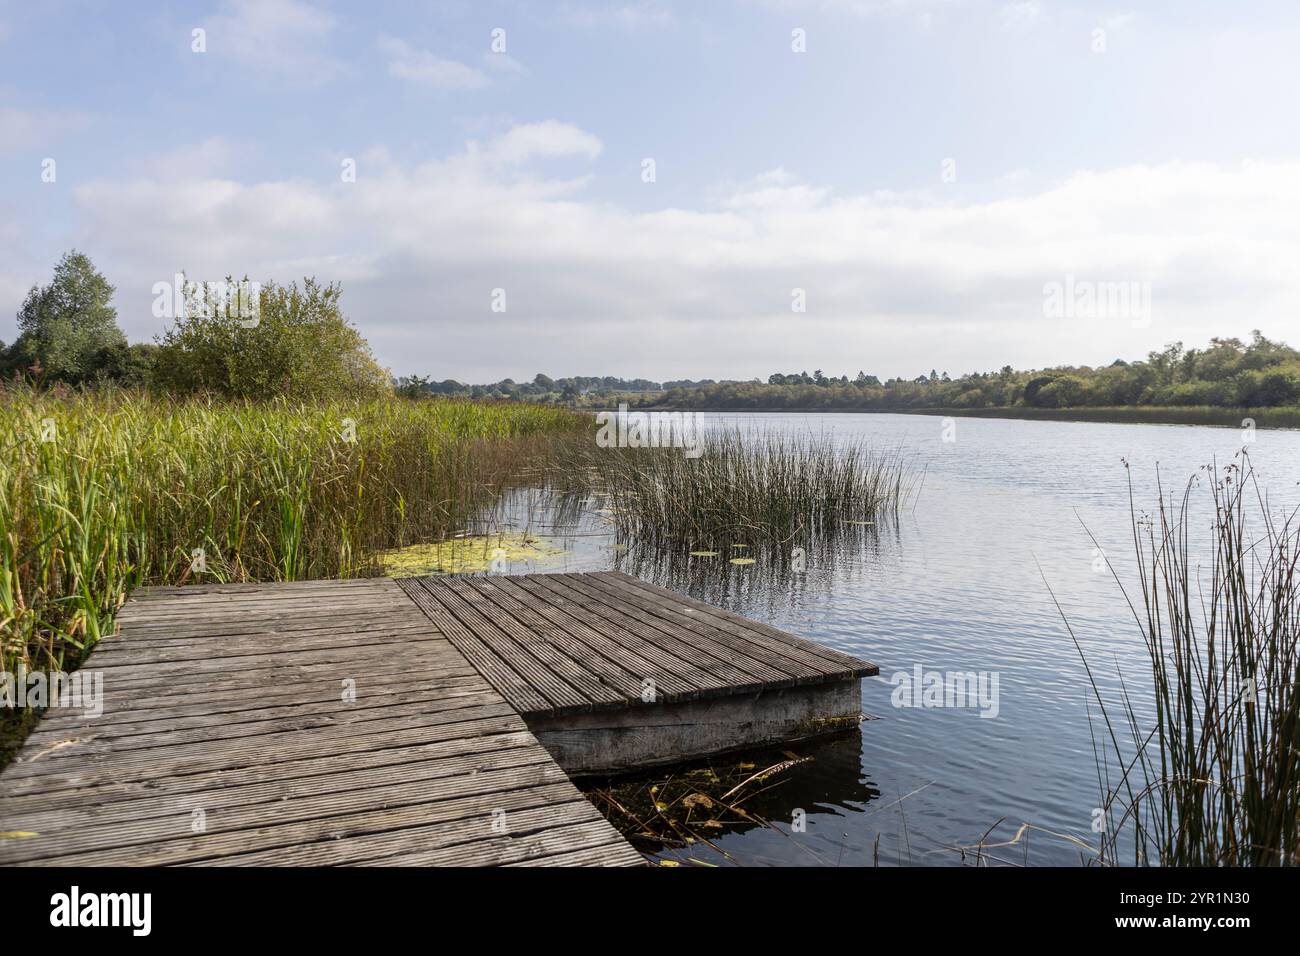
[110, 490]
[1285, 417]
[105, 490]
[1224, 383]
[1214, 778]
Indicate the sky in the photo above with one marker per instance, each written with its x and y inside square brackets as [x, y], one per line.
[719, 188]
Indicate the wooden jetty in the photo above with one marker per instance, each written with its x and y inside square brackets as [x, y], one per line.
[612, 673]
[414, 722]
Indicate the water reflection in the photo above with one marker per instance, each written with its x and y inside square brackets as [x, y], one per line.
[958, 583]
[783, 574]
[696, 813]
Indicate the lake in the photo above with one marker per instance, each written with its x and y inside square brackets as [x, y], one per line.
[961, 584]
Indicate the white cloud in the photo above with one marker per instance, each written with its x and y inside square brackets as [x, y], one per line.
[545, 139]
[428, 70]
[892, 280]
[502, 63]
[285, 37]
[22, 130]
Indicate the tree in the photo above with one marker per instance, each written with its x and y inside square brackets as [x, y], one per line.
[413, 386]
[128, 365]
[68, 327]
[299, 344]
[1036, 385]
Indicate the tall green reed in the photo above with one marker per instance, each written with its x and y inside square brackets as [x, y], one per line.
[103, 491]
[1213, 779]
[757, 488]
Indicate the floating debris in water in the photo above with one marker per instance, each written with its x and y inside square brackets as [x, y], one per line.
[692, 804]
[704, 554]
[465, 555]
[743, 561]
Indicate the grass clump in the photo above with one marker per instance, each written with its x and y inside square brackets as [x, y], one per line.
[753, 488]
[1214, 779]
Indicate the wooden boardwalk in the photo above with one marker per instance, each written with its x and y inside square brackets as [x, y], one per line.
[381, 722]
[559, 644]
[226, 739]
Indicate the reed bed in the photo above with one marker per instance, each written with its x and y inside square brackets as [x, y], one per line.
[103, 491]
[1214, 778]
[746, 488]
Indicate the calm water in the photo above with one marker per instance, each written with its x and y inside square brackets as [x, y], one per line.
[961, 585]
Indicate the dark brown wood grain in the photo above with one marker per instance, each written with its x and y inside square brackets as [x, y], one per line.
[604, 634]
[226, 701]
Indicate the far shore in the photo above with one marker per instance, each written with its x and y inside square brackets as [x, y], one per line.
[1281, 417]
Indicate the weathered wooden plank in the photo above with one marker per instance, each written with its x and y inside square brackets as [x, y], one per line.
[254, 631]
[146, 654]
[220, 664]
[151, 732]
[666, 665]
[501, 850]
[329, 586]
[580, 678]
[106, 793]
[709, 677]
[157, 748]
[160, 842]
[156, 707]
[219, 615]
[834, 658]
[614, 854]
[783, 657]
[513, 687]
[285, 671]
[523, 812]
[516, 654]
[99, 770]
[270, 796]
[618, 672]
[601, 648]
[723, 677]
[742, 669]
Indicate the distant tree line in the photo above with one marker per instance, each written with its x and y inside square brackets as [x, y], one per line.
[1228, 373]
[574, 390]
